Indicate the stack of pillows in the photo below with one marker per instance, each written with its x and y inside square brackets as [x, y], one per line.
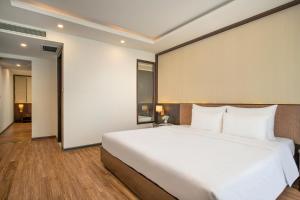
[255, 123]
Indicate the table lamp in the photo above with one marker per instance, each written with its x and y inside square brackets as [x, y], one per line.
[21, 107]
[159, 109]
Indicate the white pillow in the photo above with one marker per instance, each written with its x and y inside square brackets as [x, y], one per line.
[269, 111]
[251, 126]
[207, 118]
[207, 121]
[206, 109]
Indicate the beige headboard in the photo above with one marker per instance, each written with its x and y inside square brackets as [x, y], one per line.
[287, 120]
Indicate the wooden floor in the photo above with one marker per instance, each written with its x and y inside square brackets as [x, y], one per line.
[40, 170]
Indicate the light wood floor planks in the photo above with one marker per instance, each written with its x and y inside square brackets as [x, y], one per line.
[40, 170]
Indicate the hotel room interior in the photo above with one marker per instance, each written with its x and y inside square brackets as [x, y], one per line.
[154, 100]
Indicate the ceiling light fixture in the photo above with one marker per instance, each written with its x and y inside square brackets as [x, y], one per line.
[60, 26]
[23, 45]
[18, 65]
[122, 41]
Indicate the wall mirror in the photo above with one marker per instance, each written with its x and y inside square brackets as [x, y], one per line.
[145, 91]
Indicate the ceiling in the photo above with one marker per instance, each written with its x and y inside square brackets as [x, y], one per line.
[10, 44]
[12, 64]
[148, 25]
[136, 16]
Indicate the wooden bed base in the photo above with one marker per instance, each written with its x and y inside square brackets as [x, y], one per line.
[136, 182]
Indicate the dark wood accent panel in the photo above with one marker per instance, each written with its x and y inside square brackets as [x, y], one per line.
[232, 26]
[25, 116]
[136, 182]
[185, 114]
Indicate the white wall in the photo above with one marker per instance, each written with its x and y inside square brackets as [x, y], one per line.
[6, 98]
[44, 95]
[99, 88]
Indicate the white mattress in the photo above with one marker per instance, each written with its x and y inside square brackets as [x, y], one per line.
[192, 164]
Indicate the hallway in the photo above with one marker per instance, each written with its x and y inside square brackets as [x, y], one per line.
[17, 132]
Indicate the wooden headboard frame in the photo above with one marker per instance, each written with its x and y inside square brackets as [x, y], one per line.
[287, 120]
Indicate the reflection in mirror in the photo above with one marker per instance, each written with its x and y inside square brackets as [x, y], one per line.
[145, 92]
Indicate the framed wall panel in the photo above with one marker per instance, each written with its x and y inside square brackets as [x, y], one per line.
[254, 63]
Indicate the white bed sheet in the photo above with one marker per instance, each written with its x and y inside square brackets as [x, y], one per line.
[193, 164]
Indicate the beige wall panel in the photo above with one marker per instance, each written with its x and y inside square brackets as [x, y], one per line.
[29, 91]
[20, 89]
[255, 63]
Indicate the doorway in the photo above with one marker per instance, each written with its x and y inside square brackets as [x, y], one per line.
[16, 100]
[59, 97]
[45, 110]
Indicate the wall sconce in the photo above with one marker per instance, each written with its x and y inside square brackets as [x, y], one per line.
[21, 107]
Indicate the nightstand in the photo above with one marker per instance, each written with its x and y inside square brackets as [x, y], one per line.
[162, 124]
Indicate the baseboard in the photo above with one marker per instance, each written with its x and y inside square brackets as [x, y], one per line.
[7, 128]
[82, 146]
[44, 137]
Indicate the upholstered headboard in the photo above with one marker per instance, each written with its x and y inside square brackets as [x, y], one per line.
[287, 120]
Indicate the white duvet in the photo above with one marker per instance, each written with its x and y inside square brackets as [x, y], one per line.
[192, 164]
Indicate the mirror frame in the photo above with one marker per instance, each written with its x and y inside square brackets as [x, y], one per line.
[154, 90]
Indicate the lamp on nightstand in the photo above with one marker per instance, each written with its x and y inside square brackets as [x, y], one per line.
[159, 109]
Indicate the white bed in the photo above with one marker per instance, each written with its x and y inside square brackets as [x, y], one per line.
[193, 164]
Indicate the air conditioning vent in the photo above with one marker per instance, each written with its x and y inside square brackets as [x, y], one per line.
[21, 29]
[49, 48]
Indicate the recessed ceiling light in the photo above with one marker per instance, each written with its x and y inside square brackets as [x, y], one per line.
[23, 45]
[18, 65]
[60, 26]
[122, 41]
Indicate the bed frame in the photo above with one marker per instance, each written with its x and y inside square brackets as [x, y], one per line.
[287, 124]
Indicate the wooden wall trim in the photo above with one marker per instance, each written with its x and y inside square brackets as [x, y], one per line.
[82, 146]
[234, 25]
[43, 137]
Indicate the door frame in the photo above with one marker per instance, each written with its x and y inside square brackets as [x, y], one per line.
[59, 66]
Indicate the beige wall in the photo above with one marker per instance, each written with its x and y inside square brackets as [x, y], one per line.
[255, 63]
[6, 98]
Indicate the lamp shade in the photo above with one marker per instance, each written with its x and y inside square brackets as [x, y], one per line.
[159, 108]
[21, 107]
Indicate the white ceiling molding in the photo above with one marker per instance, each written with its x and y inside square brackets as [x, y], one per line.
[230, 13]
[77, 20]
